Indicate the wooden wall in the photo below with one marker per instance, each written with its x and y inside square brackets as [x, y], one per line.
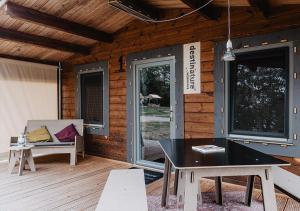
[139, 36]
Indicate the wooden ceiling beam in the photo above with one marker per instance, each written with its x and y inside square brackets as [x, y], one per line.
[209, 11]
[263, 5]
[27, 59]
[28, 14]
[137, 8]
[46, 42]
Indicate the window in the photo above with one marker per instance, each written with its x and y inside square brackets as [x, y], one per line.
[92, 98]
[259, 93]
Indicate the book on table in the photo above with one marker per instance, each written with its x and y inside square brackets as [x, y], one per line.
[208, 149]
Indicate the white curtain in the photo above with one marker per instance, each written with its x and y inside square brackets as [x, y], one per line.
[27, 91]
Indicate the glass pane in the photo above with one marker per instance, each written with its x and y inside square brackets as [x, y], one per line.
[92, 98]
[259, 93]
[154, 110]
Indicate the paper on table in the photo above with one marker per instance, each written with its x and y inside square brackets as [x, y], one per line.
[208, 149]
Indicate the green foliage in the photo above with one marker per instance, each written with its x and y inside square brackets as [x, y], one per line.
[156, 80]
[259, 92]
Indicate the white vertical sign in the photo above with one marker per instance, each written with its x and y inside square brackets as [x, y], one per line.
[191, 68]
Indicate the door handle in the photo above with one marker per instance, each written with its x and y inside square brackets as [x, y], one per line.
[171, 114]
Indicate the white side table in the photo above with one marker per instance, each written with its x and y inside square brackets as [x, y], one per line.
[21, 154]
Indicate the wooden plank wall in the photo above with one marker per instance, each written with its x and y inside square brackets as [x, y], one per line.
[138, 37]
[68, 92]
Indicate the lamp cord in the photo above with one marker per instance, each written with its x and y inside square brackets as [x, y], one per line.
[229, 30]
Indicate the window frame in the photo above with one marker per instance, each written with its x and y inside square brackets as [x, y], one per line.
[178, 111]
[234, 135]
[101, 66]
[232, 94]
[81, 103]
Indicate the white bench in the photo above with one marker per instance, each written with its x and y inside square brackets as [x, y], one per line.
[57, 147]
[124, 190]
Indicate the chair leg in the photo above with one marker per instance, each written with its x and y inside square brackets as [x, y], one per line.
[249, 190]
[218, 187]
[165, 192]
[176, 182]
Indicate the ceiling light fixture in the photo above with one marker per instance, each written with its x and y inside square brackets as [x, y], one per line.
[229, 55]
[136, 8]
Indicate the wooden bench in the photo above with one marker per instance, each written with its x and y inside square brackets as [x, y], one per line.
[124, 190]
[57, 147]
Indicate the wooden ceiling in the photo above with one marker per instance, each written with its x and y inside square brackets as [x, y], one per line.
[94, 13]
[61, 43]
[220, 3]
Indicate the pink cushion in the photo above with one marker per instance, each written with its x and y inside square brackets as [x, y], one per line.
[67, 134]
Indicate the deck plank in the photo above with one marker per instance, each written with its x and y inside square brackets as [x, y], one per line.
[70, 192]
[45, 183]
[55, 184]
[58, 186]
[292, 205]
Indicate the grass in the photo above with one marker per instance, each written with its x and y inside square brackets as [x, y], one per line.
[156, 130]
[160, 111]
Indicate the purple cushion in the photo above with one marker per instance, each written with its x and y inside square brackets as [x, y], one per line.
[67, 134]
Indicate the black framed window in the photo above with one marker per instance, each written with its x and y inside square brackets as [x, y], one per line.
[92, 97]
[259, 93]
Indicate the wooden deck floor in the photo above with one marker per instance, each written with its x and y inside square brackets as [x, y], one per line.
[58, 186]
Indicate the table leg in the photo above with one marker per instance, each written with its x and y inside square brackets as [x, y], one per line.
[268, 190]
[176, 182]
[9, 156]
[249, 190]
[190, 192]
[22, 163]
[12, 161]
[199, 196]
[180, 190]
[30, 161]
[218, 189]
[167, 174]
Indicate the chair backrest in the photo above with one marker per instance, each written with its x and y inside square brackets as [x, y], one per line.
[55, 126]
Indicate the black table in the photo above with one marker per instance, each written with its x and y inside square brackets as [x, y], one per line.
[237, 160]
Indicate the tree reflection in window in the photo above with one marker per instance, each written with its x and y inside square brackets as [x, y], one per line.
[259, 93]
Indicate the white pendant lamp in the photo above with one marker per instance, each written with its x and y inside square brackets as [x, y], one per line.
[229, 55]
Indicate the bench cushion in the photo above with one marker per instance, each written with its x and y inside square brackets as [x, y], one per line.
[54, 126]
[39, 135]
[67, 134]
